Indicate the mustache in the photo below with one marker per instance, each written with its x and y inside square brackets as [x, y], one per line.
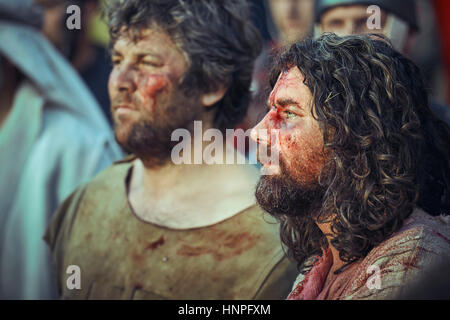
[123, 99]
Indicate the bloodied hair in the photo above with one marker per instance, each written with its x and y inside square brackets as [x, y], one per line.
[217, 38]
[389, 153]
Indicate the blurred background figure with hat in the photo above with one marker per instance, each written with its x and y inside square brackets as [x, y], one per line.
[409, 24]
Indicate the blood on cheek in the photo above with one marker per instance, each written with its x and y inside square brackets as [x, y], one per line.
[150, 85]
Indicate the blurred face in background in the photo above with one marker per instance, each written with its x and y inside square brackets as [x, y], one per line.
[293, 18]
[347, 20]
[352, 19]
[54, 13]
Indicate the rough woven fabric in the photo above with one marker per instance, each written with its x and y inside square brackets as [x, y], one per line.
[401, 261]
[311, 285]
[122, 257]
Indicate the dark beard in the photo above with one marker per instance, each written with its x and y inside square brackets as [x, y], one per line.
[151, 141]
[280, 195]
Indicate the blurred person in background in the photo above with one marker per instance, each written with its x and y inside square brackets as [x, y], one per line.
[151, 228]
[87, 54]
[398, 21]
[53, 138]
[442, 12]
[289, 21]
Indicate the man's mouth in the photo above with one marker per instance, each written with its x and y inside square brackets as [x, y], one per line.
[122, 106]
[123, 111]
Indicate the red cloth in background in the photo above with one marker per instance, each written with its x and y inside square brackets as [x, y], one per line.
[442, 11]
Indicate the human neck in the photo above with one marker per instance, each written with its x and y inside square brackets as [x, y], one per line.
[188, 196]
[167, 176]
[326, 230]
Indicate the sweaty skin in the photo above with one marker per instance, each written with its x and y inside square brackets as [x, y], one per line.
[299, 140]
[148, 86]
[145, 74]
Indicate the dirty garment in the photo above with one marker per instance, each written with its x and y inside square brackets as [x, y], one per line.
[389, 271]
[122, 257]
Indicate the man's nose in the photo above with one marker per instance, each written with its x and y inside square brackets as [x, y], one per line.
[260, 133]
[124, 80]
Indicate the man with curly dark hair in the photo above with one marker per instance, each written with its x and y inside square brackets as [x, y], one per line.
[147, 228]
[363, 186]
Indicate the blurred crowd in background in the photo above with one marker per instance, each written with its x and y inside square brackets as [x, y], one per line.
[66, 137]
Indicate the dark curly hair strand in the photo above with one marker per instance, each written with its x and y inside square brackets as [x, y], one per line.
[217, 37]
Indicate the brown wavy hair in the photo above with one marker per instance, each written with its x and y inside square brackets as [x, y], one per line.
[389, 152]
[218, 39]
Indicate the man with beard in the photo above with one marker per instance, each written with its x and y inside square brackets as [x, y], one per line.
[362, 189]
[149, 229]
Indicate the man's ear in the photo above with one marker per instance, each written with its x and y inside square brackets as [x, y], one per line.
[210, 98]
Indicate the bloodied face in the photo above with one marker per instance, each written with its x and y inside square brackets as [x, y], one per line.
[147, 103]
[294, 133]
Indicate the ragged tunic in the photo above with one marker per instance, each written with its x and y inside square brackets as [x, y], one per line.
[122, 257]
[390, 270]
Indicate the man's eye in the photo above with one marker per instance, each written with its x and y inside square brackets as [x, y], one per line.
[335, 24]
[289, 114]
[150, 64]
[115, 61]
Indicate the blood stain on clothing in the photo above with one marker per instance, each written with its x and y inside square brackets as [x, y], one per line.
[440, 235]
[410, 263]
[138, 258]
[155, 244]
[138, 286]
[221, 245]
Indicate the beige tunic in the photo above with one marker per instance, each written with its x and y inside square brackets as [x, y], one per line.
[123, 257]
[391, 270]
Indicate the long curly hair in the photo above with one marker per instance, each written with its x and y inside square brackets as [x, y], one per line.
[217, 38]
[389, 152]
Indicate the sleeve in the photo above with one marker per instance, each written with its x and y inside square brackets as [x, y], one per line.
[278, 282]
[58, 232]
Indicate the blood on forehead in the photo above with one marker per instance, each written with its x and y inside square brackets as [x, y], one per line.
[289, 78]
